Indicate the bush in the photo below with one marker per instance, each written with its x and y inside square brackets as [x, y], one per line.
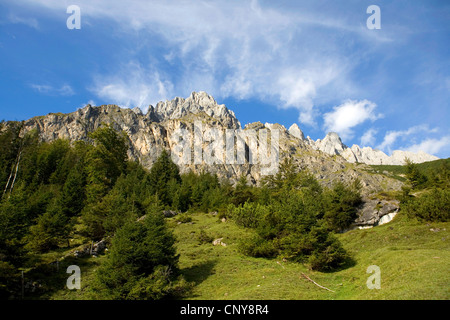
[430, 206]
[327, 253]
[319, 247]
[159, 285]
[183, 218]
[203, 237]
[258, 247]
[226, 213]
[248, 215]
[298, 223]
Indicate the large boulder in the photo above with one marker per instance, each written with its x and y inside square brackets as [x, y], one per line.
[169, 213]
[375, 212]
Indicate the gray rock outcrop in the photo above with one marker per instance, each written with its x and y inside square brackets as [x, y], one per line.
[376, 212]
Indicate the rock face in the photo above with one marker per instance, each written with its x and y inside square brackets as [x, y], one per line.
[148, 133]
[331, 144]
[367, 155]
[181, 120]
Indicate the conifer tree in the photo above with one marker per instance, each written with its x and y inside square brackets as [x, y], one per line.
[51, 229]
[142, 261]
[106, 161]
[163, 172]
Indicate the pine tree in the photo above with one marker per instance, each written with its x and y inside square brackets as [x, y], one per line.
[182, 197]
[414, 175]
[242, 192]
[106, 161]
[51, 229]
[163, 173]
[341, 205]
[139, 251]
[73, 192]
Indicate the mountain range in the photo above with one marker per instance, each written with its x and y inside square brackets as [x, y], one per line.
[332, 144]
[328, 159]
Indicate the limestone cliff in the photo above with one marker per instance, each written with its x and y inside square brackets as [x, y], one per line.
[169, 123]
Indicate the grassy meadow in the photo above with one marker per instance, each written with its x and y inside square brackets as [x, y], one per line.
[414, 260]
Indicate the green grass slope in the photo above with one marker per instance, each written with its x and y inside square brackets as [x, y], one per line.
[414, 264]
[413, 257]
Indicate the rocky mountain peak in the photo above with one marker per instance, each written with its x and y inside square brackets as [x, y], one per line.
[296, 132]
[331, 144]
[196, 103]
[137, 110]
[202, 98]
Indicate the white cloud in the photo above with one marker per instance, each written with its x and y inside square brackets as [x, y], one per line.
[42, 88]
[368, 138]
[134, 86]
[431, 146]
[392, 137]
[348, 115]
[64, 90]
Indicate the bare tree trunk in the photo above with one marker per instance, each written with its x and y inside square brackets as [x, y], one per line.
[15, 174]
[12, 169]
[7, 184]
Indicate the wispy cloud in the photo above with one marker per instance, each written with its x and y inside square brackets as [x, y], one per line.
[64, 90]
[368, 138]
[134, 86]
[392, 137]
[230, 49]
[31, 22]
[431, 146]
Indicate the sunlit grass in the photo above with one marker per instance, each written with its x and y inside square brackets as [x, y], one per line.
[414, 259]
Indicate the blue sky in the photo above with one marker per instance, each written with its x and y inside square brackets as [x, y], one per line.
[314, 63]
